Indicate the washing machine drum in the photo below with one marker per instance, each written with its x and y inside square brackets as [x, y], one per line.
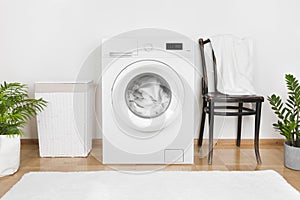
[147, 96]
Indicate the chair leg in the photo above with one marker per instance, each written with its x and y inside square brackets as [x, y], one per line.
[256, 137]
[239, 126]
[200, 139]
[211, 132]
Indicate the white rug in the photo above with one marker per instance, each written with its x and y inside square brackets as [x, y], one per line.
[258, 185]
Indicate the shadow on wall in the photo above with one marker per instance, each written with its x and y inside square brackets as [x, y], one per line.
[91, 70]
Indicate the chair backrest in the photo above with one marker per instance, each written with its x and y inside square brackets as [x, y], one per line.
[205, 80]
[227, 64]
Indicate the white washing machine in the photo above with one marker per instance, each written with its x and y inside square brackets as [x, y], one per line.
[148, 101]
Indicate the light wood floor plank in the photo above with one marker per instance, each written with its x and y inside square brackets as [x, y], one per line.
[226, 157]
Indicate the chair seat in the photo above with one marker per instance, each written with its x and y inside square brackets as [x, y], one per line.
[219, 97]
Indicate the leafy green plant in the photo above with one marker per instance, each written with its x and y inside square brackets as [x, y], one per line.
[16, 108]
[288, 113]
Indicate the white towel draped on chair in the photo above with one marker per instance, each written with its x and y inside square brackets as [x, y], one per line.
[234, 64]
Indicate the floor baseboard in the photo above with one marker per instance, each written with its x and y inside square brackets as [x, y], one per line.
[250, 141]
[220, 141]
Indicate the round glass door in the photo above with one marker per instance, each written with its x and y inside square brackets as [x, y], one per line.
[148, 95]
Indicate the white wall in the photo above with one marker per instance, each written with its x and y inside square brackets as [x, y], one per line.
[49, 40]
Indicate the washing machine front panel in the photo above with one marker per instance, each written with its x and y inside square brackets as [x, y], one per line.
[135, 128]
[147, 96]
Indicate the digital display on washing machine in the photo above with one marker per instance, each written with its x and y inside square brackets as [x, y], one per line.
[174, 46]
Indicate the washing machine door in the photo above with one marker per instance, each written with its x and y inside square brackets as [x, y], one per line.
[147, 96]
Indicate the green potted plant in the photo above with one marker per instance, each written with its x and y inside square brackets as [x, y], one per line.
[288, 123]
[15, 109]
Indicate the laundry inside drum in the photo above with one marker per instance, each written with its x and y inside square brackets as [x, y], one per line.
[148, 95]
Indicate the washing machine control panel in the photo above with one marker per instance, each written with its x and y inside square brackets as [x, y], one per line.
[174, 46]
[148, 48]
[165, 48]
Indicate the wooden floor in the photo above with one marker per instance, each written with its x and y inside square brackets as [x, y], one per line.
[226, 157]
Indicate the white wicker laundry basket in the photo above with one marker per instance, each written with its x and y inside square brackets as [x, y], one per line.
[65, 126]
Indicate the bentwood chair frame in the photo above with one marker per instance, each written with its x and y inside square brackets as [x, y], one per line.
[210, 99]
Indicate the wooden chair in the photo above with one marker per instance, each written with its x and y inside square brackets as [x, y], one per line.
[210, 99]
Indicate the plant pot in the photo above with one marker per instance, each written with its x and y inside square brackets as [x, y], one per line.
[291, 156]
[9, 154]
